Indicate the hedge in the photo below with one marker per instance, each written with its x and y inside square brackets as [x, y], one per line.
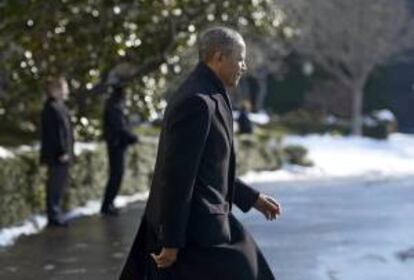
[22, 180]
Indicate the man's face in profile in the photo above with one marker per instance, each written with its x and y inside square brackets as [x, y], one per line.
[60, 90]
[233, 66]
[65, 90]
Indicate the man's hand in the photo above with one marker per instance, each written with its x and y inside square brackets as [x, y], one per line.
[64, 158]
[268, 207]
[166, 257]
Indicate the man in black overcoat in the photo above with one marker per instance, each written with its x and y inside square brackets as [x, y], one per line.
[118, 137]
[56, 147]
[188, 231]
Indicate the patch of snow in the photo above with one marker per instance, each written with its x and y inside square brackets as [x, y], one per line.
[5, 153]
[260, 118]
[30, 226]
[384, 115]
[37, 223]
[28, 148]
[81, 147]
[368, 262]
[337, 156]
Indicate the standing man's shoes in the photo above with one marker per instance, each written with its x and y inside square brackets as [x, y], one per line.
[57, 223]
[110, 211]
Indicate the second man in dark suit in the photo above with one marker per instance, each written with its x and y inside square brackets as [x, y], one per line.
[56, 147]
[117, 137]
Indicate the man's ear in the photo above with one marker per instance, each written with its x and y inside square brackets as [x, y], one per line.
[218, 56]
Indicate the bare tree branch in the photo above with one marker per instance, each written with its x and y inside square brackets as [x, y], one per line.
[350, 39]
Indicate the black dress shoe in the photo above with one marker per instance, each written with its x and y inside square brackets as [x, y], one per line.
[57, 223]
[110, 211]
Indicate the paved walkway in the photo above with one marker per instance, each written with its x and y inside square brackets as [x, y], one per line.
[91, 248]
[330, 230]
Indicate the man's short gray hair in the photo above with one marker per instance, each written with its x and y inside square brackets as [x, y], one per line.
[218, 39]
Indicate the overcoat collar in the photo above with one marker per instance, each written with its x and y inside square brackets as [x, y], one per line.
[219, 93]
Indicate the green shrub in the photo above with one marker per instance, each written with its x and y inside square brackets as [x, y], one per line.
[295, 154]
[253, 153]
[376, 128]
[377, 132]
[304, 122]
[22, 179]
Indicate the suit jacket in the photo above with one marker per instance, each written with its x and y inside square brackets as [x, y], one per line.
[245, 124]
[56, 132]
[115, 123]
[194, 184]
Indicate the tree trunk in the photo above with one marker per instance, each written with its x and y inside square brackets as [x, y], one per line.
[357, 116]
[262, 81]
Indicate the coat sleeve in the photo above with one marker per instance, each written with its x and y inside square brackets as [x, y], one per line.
[244, 196]
[63, 142]
[119, 126]
[187, 129]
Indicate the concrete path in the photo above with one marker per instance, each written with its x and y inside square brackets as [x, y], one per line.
[350, 229]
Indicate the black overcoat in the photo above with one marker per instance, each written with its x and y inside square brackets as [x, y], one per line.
[193, 190]
[56, 132]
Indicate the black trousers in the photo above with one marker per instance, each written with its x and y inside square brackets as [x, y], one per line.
[116, 159]
[55, 184]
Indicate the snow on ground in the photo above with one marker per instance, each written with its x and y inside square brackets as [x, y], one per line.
[375, 253]
[38, 222]
[84, 147]
[338, 229]
[257, 118]
[336, 156]
[4, 153]
[30, 226]
[92, 207]
[79, 148]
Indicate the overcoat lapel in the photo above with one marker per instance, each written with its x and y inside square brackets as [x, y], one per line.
[225, 116]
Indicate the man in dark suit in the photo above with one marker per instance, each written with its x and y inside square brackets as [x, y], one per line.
[188, 231]
[245, 124]
[118, 137]
[56, 147]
